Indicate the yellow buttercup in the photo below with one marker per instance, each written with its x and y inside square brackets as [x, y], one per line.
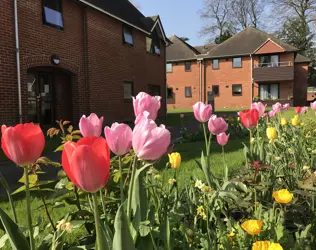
[252, 227]
[272, 133]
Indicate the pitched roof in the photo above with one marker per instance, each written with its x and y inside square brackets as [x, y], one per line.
[126, 12]
[301, 59]
[203, 49]
[180, 50]
[246, 42]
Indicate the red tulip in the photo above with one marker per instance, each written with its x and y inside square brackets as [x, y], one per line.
[22, 144]
[87, 163]
[297, 110]
[249, 118]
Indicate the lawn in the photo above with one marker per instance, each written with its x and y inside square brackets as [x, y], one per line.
[190, 152]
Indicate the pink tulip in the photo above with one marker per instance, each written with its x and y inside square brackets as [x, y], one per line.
[144, 102]
[286, 106]
[260, 107]
[202, 112]
[272, 113]
[313, 105]
[87, 163]
[119, 138]
[181, 116]
[91, 125]
[222, 139]
[150, 142]
[277, 107]
[22, 144]
[304, 110]
[217, 125]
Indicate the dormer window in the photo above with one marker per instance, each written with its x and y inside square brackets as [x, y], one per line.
[52, 13]
[153, 45]
[127, 35]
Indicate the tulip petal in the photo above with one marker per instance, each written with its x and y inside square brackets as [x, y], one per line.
[91, 171]
[67, 153]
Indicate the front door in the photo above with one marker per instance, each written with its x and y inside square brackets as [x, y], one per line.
[40, 98]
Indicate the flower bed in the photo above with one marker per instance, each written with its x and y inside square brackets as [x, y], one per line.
[122, 202]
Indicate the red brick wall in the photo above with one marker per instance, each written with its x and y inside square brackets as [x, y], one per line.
[97, 88]
[270, 47]
[8, 85]
[300, 84]
[178, 79]
[225, 77]
[111, 63]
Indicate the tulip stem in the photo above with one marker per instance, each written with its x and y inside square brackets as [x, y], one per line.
[28, 207]
[205, 137]
[121, 180]
[225, 166]
[99, 243]
[250, 146]
[130, 190]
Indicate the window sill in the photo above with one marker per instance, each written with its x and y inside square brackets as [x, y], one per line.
[188, 70]
[128, 45]
[237, 67]
[169, 72]
[153, 54]
[236, 95]
[48, 25]
[215, 69]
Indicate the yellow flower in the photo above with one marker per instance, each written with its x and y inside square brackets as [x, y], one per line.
[261, 245]
[175, 160]
[61, 225]
[305, 168]
[302, 124]
[272, 134]
[252, 227]
[200, 212]
[230, 235]
[283, 121]
[282, 196]
[295, 120]
[238, 118]
[68, 227]
[266, 245]
[205, 188]
[275, 246]
[172, 181]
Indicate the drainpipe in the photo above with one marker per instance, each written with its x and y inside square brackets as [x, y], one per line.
[200, 61]
[17, 50]
[251, 78]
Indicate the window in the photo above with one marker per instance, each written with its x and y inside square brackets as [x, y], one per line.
[187, 66]
[127, 35]
[237, 62]
[169, 93]
[169, 67]
[149, 42]
[128, 90]
[269, 91]
[153, 45]
[215, 90]
[52, 13]
[188, 92]
[215, 64]
[269, 61]
[237, 90]
[154, 90]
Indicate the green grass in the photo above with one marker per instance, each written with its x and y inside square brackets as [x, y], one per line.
[190, 153]
[39, 213]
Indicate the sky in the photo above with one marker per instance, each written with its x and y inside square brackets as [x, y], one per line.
[178, 17]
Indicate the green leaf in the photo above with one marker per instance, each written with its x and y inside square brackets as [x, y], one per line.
[122, 238]
[86, 247]
[46, 242]
[117, 177]
[3, 240]
[16, 237]
[20, 189]
[4, 183]
[144, 230]
[60, 148]
[76, 224]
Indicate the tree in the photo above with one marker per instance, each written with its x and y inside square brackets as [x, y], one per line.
[218, 13]
[185, 39]
[228, 16]
[226, 34]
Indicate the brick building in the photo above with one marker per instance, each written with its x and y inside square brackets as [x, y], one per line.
[251, 65]
[77, 57]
